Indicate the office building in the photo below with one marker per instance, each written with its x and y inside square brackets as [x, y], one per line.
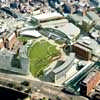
[58, 75]
[86, 48]
[82, 51]
[89, 82]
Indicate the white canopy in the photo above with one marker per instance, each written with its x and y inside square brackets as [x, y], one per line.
[33, 33]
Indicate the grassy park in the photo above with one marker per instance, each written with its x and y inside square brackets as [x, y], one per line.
[41, 54]
[24, 38]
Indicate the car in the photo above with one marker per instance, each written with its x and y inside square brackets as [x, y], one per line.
[68, 91]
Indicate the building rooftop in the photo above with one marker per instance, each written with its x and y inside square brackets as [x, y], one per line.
[90, 76]
[93, 16]
[82, 47]
[52, 24]
[97, 26]
[90, 43]
[10, 24]
[78, 18]
[70, 30]
[48, 16]
[5, 53]
[23, 51]
[33, 33]
[68, 61]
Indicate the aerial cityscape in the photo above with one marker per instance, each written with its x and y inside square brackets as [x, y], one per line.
[50, 49]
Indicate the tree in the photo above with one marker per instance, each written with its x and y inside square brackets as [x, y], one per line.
[98, 10]
[44, 98]
[25, 83]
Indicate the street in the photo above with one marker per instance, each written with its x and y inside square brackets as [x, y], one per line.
[44, 88]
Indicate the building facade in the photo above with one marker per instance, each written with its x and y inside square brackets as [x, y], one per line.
[82, 51]
[10, 62]
[89, 82]
[58, 75]
[10, 41]
[1, 43]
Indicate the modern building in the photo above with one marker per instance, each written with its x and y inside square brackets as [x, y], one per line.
[10, 40]
[93, 16]
[58, 75]
[89, 82]
[78, 19]
[94, 32]
[7, 92]
[32, 33]
[48, 16]
[10, 62]
[70, 30]
[82, 51]
[97, 26]
[86, 47]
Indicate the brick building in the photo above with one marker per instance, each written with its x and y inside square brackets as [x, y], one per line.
[9, 40]
[82, 51]
[1, 43]
[86, 48]
[89, 82]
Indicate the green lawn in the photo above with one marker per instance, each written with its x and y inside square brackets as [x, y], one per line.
[40, 55]
[24, 38]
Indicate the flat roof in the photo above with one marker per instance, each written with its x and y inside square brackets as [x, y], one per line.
[92, 15]
[48, 16]
[70, 30]
[76, 17]
[90, 43]
[54, 23]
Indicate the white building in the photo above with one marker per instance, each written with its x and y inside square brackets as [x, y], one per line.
[71, 31]
[32, 33]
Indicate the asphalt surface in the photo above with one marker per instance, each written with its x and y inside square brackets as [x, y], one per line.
[44, 88]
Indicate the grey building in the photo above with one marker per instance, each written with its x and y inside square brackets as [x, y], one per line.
[93, 16]
[86, 47]
[58, 74]
[11, 63]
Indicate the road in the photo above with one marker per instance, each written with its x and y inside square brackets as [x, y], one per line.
[46, 89]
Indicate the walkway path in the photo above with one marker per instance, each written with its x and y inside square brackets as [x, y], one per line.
[58, 47]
